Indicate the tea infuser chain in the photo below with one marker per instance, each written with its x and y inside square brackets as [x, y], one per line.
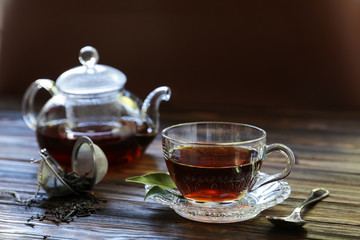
[17, 196]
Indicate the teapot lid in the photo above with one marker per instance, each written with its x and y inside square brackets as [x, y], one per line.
[90, 78]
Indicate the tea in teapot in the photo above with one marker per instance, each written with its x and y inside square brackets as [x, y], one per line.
[90, 100]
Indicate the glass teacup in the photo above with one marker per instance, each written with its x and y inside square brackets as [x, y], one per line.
[217, 162]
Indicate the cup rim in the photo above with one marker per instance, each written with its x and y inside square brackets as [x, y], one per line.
[263, 136]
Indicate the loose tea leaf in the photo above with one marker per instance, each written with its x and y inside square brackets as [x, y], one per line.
[30, 225]
[162, 180]
[78, 183]
[63, 210]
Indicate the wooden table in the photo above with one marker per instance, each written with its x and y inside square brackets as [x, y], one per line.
[326, 144]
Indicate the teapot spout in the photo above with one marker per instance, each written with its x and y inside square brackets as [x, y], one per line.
[150, 107]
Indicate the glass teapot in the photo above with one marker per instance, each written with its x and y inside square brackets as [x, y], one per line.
[90, 100]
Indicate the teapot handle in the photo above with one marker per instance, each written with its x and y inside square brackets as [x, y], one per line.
[28, 110]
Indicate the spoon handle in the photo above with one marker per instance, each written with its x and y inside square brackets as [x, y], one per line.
[315, 195]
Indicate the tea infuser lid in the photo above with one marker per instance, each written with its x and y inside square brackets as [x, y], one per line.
[91, 77]
[89, 161]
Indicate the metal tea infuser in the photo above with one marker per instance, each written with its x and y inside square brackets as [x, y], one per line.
[88, 160]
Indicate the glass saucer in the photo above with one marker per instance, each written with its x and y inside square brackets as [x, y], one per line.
[248, 207]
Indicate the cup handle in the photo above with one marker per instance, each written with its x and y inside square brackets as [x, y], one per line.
[28, 110]
[290, 162]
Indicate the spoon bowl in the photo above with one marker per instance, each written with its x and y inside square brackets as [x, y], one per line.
[294, 219]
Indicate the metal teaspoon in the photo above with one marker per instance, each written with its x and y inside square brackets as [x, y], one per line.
[294, 219]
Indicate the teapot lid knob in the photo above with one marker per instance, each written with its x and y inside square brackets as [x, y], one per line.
[88, 56]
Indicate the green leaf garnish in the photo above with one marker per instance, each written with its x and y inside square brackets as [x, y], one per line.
[162, 180]
[159, 181]
[155, 190]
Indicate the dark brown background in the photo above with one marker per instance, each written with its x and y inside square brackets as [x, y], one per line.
[237, 53]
